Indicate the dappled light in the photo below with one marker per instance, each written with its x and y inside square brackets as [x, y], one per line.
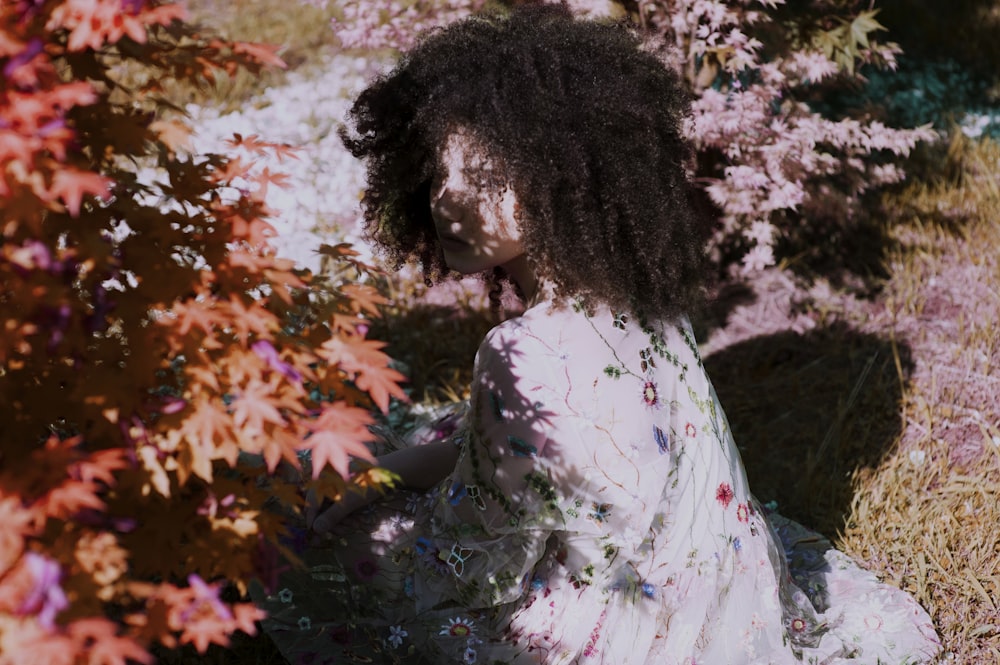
[204, 343]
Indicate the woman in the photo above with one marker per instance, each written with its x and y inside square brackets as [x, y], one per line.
[591, 506]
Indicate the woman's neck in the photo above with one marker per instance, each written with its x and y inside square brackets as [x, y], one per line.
[523, 275]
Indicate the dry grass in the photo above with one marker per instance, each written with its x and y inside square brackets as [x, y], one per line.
[876, 421]
[927, 516]
[301, 31]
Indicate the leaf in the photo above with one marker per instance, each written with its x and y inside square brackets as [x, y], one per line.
[339, 433]
[205, 630]
[98, 639]
[16, 522]
[254, 144]
[253, 406]
[72, 185]
[862, 26]
[281, 444]
[69, 498]
[174, 134]
[158, 478]
[369, 367]
[364, 298]
[262, 53]
[163, 14]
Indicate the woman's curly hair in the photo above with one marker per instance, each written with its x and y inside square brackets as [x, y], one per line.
[588, 130]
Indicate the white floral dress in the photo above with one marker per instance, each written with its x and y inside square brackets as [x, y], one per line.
[599, 513]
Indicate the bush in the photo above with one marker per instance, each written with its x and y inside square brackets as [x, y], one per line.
[150, 342]
[770, 163]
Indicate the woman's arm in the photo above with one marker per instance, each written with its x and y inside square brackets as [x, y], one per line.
[418, 468]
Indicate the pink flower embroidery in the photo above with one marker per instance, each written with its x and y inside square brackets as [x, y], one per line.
[742, 513]
[690, 430]
[649, 395]
[366, 569]
[724, 494]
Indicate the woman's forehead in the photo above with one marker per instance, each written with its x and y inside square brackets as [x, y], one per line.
[462, 150]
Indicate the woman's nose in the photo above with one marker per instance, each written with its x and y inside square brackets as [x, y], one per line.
[445, 207]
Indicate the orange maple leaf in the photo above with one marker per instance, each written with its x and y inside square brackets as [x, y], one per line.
[254, 405]
[245, 616]
[70, 497]
[281, 444]
[369, 367]
[339, 433]
[255, 231]
[174, 134]
[101, 465]
[250, 320]
[262, 53]
[364, 298]
[26, 641]
[197, 313]
[206, 630]
[266, 178]
[208, 423]
[254, 144]
[9, 45]
[163, 14]
[72, 185]
[99, 640]
[16, 522]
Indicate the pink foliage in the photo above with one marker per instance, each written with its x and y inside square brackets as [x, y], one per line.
[778, 155]
[377, 24]
[775, 162]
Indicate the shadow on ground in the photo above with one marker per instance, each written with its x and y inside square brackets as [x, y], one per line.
[435, 346]
[807, 411]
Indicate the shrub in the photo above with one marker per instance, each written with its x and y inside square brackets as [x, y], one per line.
[150, 340]
[770, 163]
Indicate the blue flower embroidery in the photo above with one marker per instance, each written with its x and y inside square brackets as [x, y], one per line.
[662, 442]
[520, 447]
[456, 493]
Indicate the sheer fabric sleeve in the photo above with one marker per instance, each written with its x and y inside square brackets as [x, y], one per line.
[504, 500]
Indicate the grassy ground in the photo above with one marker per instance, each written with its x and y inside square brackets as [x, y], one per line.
[875, 419]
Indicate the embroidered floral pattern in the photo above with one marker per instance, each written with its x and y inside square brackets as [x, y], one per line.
[396, 636]
[593, 478]
[649, 395]
[458, 627]
[724, 494]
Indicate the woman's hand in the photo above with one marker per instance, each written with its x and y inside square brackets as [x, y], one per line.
[323, 520]
[418, 468]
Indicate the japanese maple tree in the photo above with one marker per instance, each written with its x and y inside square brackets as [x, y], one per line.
[151, 342]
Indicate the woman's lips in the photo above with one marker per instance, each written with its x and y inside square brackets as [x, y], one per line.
[449, 241]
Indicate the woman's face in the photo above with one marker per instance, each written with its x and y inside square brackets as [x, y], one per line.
[473, 214]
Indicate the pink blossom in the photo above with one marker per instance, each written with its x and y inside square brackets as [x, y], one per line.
[758, 258]
[46, 598]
